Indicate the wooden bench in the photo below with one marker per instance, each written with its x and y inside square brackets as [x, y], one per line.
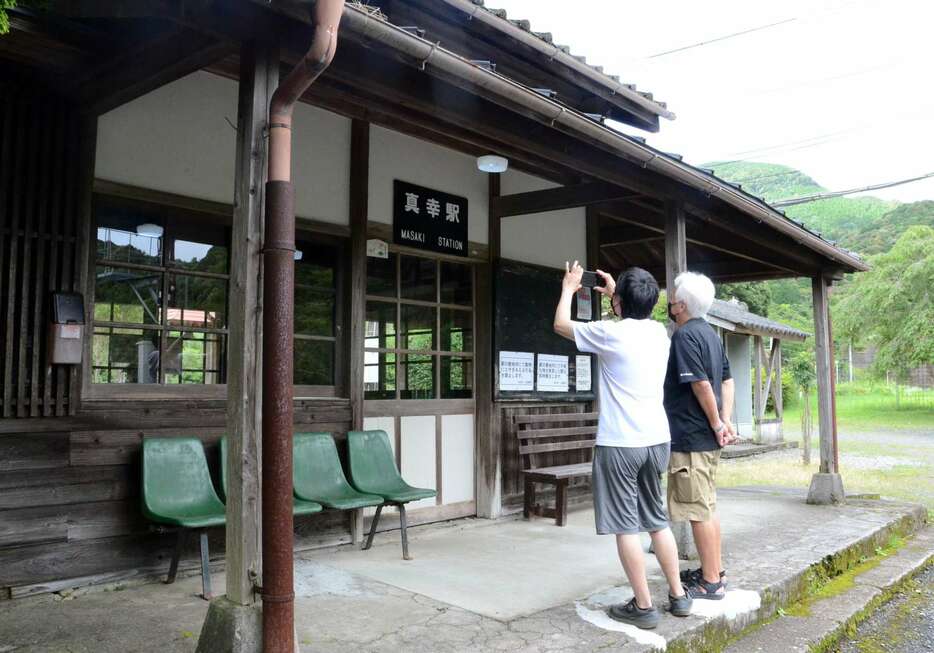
[535, 440]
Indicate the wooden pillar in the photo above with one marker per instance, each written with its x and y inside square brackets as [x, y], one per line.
[777, 384]
[675, 264]
[488, 432]
[758, 401]
[355, 299]
[826, 485]
[259, 72]
[675, 244]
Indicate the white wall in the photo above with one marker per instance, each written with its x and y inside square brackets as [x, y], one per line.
[543, 238]
[397, 156]
[177, 139]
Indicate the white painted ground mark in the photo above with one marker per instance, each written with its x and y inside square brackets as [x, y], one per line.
[600, 619]
[733, 604]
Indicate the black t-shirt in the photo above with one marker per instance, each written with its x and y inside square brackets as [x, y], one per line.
[696, 355]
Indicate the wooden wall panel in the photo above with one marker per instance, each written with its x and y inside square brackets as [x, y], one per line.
[33, 451]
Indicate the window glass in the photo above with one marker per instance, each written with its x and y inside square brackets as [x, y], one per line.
[313, 362]
[315, 265]
[456, 330]
[380, 325]
[418, 278]
[381, 276]
[194, 357]
[129, 296]
[456, 377]
[456, 284]
[129, 235]
[417, 374]
[124, 355]
[417, 330]
[379, 375]
[197, 302]
[314, 312]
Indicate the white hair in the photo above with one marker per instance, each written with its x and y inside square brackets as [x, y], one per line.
[696, 291]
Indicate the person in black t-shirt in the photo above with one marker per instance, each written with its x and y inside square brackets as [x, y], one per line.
[699, 404]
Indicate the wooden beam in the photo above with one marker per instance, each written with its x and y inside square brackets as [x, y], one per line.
[488, 435]
[823, 352]
[555, 199]
[144, 68]
[356, 299]
[258, 79]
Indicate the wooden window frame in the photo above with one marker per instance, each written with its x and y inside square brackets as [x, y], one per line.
[437, 354]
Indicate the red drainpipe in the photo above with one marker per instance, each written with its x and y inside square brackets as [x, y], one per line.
[278, 284]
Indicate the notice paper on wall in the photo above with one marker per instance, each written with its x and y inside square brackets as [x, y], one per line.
[516, 370]
[582, 373]
[552, 373]
[585, 304]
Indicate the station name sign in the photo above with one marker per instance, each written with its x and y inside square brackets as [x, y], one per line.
[429, 219]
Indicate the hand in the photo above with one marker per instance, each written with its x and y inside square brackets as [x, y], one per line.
[572, 277]
[609, 285]
[723, 435]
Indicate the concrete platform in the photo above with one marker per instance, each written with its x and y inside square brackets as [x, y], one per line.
[477, 585]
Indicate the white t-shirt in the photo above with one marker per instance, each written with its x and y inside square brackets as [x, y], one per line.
[633, 359]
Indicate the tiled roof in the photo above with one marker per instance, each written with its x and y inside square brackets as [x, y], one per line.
[736, 313]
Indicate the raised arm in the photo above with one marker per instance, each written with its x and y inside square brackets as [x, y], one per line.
[569, 285]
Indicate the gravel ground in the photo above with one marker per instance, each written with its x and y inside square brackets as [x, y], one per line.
[903, 625]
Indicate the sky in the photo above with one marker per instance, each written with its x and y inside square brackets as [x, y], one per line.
[840, 89]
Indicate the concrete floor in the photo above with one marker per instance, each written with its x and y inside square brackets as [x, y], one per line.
[474, 585]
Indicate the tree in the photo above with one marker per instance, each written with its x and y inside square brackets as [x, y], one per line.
[4, 18]
[892, 305]
[756, 296]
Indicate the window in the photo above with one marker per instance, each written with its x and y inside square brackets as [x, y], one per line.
[160, 295]
[316, 314]
[419, 329]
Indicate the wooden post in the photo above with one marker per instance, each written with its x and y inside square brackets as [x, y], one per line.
[675, 264]
[259, 71]
[356, 289]
[826, 485]
[489, 464]
[758, 401]
[777, 386]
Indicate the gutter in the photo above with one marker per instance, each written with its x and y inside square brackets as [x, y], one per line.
[278, 321]
[497, 87]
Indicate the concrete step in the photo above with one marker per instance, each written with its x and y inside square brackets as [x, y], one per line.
[818, 624]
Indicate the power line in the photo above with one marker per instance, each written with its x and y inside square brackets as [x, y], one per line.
[823, 196]
[722, 38]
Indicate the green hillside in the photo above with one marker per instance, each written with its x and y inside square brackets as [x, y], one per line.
[839, 219]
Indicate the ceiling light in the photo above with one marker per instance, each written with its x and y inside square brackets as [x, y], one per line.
[492, 163]
[149, 229]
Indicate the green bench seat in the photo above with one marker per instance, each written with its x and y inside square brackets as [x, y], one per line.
[318, 476]
[177, 491]
[373, 470]
[299, 507]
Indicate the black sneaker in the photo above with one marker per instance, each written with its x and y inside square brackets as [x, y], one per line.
[701, 589]
[630, 613]
[680, 606]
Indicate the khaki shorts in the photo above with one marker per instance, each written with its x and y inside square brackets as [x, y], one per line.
[692, 489]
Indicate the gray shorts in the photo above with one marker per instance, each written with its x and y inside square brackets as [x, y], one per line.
[627, 492]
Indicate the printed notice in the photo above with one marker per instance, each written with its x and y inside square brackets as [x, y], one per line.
[516, 370]
[552, 373]
[582, 373]
[585, 304]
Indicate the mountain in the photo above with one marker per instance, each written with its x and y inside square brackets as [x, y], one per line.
[838, 219]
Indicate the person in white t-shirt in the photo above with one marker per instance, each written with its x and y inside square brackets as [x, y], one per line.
[633, 441]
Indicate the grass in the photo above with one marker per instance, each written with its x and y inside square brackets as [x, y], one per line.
[866, 406]
[884, 450]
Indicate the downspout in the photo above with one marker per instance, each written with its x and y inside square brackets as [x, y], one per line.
[278, 321]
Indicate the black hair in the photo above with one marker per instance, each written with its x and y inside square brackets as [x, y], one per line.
[638, 293]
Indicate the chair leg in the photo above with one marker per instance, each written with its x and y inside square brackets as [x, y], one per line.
[528, 502]
[206, 592]
[405, 533]
[369, 538]
[561, 503]
[176, 555]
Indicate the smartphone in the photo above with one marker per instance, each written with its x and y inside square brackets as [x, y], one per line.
[590, 279]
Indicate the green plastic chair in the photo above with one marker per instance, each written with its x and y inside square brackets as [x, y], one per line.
[299, 507]
[373, 470]
[318, 475]
[177, 491]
